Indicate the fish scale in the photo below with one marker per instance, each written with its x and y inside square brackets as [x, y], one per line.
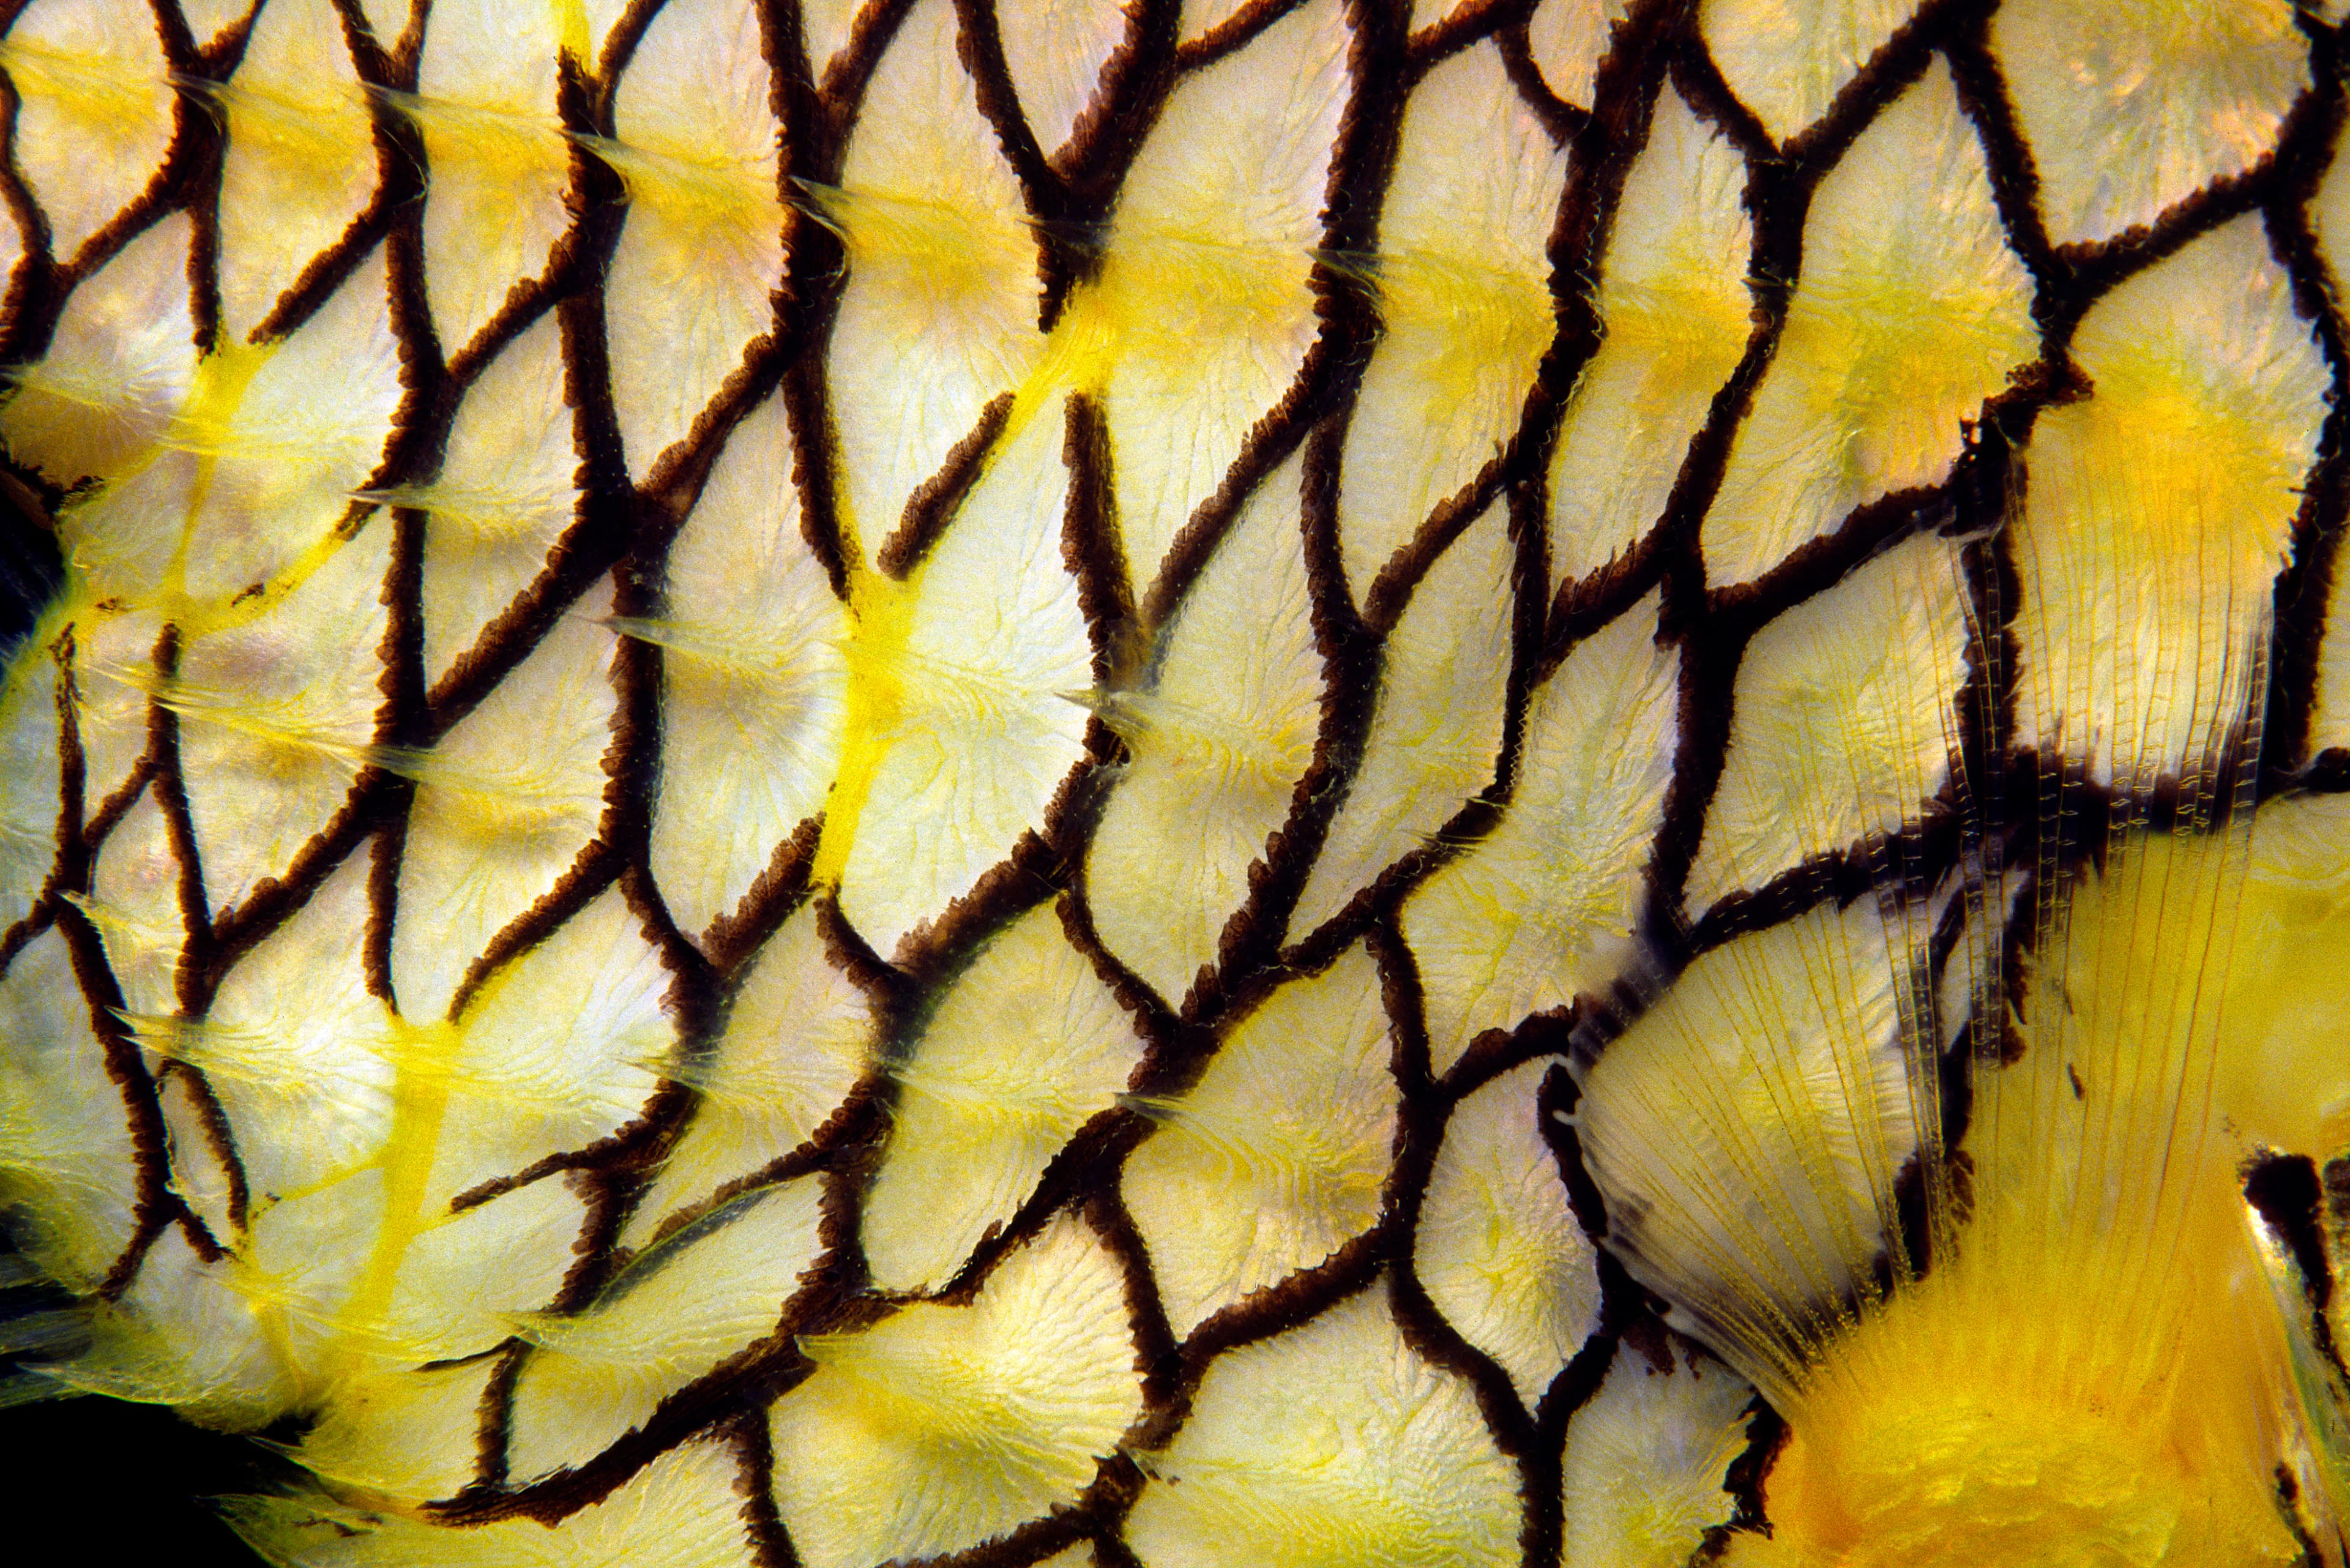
[1296, 782]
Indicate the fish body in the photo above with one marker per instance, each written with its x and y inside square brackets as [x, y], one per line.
[1318, 784]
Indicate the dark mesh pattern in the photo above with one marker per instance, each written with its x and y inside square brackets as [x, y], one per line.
[451, 856]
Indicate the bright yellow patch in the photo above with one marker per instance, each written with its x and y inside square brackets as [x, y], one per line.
[2157, 512]
[2285, 1075]
[2081, 1383]
[1995, 1416]
[881, 613]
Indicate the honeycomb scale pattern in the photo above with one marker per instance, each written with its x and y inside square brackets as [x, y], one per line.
[834, 783]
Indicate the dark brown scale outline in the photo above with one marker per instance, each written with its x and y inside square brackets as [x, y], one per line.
[1780, 189]
[816, 114]
[1110, 1552]
[1563, 121]
[1836, 876]
[1175, 1053]
[1379, 903]
[857, 1123]
[735, 942]
[1626, 81]
[27, 929]
[817, 1294]
[1630, 1324]
[1627, 1319]
[1289, 1303]
[1544, 1462]
[1468, 22]
[610, 1171]
[1384, 894]
[1176, 1078]
[934, 503]
[2232, 191]
[40, 286]
[1035, 867]
[216, 61]
[212, 1124]
[1362, 154]
[1135, 77]
[1234, 33]
[1361, 158]
[155, 1207]
[1889, 69]
[2007, 159]
[1594, 181]
[734, 935]
[1250, 938]
[1521, 452]
[940, 953]
[1424, 1114]
[1071, 190]
[1083, 1176]
[1060, 241]
[1842, 872]
[171, 791]
[143, 208]
[903, 995]
[1094, 557]
[1585, 206]
[31, 293]
[598, 539]
[835, 1298]
[2302, 588]
[72, 786]
[1389, 594]
[1174, 1048]
[1119, 1479]
[396, 180]
[1130, 91]
[1026, 1545]
[770, 1546]
[171, 796]
[848, 1175]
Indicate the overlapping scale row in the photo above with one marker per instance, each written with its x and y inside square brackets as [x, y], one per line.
[847, 783]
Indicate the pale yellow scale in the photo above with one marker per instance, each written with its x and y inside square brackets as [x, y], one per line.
[1676, 308]
[1296, 1115]
[1910, 312]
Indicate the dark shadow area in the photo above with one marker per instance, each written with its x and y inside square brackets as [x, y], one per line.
[99, 1480]
[104, 1482]
[31, 571]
